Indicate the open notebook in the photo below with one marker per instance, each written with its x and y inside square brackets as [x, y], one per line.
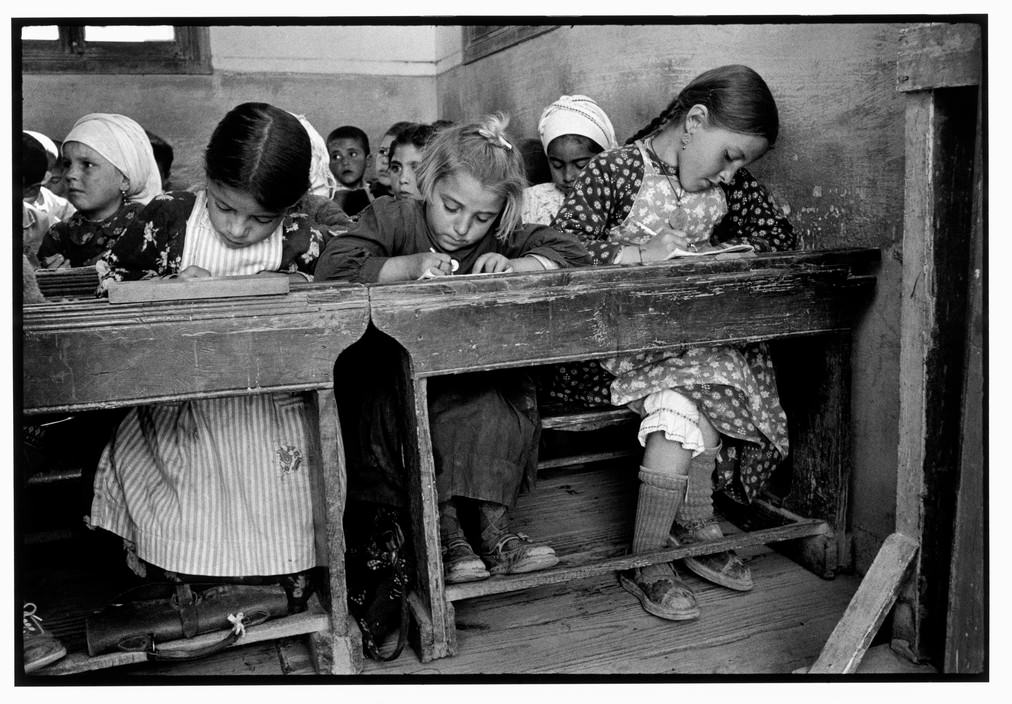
[707, 249]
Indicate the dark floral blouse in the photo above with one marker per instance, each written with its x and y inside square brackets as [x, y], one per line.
[606, 189]
[83, 242]
[153, 245]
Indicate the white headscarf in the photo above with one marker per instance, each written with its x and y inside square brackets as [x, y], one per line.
[126, 146]
[321, 180]
[576, 114]
[47, 144]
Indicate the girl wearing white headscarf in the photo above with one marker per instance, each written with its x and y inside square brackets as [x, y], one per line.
[111, 175]
[572, 130]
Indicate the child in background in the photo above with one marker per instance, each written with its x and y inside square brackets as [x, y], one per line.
[220, 487]
[485, 427]
[405, 156]
[535, 162]
[111, 175]
[712, 418]
[348, 147]
[438, 125]
[57, 184]
[317, 203]
[381, 186]
[50, 197]
[34, 222]
[163, 157]
[572, 129]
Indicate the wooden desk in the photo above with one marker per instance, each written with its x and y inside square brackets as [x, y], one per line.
[87, 354]
[472, 323]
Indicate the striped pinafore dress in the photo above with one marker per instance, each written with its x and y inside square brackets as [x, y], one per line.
[216, 487]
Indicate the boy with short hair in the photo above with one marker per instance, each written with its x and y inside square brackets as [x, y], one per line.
[348, 147]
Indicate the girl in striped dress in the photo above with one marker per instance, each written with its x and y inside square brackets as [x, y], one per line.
[220, 487]
[711, 415]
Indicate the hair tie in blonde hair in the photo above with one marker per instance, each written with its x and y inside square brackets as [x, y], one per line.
[496, 139]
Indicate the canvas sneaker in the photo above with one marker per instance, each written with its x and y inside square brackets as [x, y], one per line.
[40, 647]
[514, 553]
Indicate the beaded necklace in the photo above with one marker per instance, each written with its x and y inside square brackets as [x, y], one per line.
[679, 220]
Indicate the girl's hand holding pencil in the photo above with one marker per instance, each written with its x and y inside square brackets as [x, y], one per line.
[659, 246]
[673, 244]
[428, 265]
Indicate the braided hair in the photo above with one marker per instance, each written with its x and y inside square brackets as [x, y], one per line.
[736, 98]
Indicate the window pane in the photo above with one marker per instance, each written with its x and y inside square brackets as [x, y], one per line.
[130, 33]
[49, 33]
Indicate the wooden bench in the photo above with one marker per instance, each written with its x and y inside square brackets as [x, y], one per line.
[474, 323]
[83, 355]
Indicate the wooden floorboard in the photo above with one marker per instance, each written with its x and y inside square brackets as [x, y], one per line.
[583, 628]
[593, 627]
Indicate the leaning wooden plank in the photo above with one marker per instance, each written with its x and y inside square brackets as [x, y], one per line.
[267, 284]
[298, 624]
[867, 609]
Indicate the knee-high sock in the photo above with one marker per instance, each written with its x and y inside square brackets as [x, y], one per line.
[697, 508]
[660, 495]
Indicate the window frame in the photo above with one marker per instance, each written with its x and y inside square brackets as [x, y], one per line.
[188, 53]
[484, 40]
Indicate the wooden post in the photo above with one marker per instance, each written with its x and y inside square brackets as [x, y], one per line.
[340, 652]
[438, 637]
[966, 633]
[939, 69]
[820, 453]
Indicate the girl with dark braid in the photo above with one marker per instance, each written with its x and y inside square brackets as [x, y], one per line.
[711, 416]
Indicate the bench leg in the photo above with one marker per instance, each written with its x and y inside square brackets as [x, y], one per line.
[334, 654]
[340, 650]
[819, 418]
[433, 614]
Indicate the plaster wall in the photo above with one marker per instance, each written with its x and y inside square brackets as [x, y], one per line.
[366, 76]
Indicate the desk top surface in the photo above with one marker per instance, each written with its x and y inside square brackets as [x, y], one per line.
[90, 354]
[477, 322]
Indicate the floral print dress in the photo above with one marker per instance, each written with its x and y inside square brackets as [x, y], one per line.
[153, 246]
[83, 242]
[624, 197]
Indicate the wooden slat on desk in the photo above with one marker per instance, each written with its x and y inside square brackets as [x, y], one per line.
[267, 284]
